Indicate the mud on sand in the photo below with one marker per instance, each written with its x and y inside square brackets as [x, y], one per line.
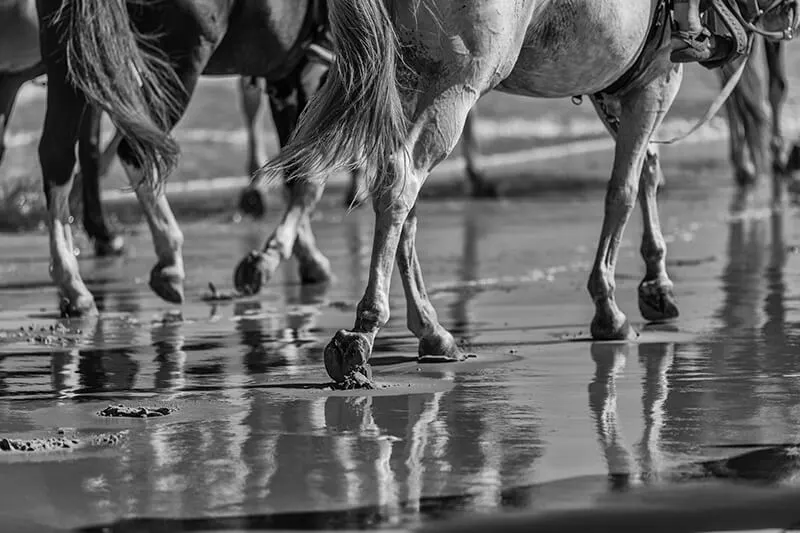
[61, 442]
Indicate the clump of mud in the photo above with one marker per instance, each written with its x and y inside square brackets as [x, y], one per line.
[354, 381]
[122, 411]
[359, 378]
[215, 295]
[62, 442]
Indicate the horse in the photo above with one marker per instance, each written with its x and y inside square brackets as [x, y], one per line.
[757, 146]
[406, 76]
[140, 63]
[20, 62]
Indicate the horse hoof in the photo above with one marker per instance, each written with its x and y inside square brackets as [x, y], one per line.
[616, 329]
[347, 352]
[255, 271]
[78, 306]
[167, 283]
[440, 347]
[657, 302]
[111, 247]
[316, 272]
[252, 203]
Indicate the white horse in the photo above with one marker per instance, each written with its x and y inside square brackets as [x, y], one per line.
[406, 76]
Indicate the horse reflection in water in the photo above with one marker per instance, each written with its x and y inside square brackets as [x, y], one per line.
[610, 360]
[752, 348]
[104, 357]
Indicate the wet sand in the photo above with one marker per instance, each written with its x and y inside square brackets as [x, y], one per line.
[257, 442]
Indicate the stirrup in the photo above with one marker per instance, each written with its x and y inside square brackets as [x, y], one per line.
[699, 47]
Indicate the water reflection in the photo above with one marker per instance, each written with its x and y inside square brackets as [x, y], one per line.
[168, 341]
[738, 384]
[270, 457]
[463, 323]
[610, 359]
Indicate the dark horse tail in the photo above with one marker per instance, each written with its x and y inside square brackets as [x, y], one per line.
[357, 118]
[122, 73]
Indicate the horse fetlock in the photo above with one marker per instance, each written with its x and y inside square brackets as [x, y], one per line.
[346, 353]
[253, 202]
[656, 300]
[76, 304]
[601, 285]
[74, 298]
[109, 246]
[653, 252]
[479, 187]
[610, 324]
[372, 315]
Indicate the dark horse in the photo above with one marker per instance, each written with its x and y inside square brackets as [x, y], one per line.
[757, 145]
[20, 62]
[95, 54]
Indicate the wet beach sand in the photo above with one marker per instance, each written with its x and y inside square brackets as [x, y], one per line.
[542, 420]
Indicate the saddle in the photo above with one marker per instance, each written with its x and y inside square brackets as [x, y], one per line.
[721, 19]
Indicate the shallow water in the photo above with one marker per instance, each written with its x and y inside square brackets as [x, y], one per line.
[537, 421]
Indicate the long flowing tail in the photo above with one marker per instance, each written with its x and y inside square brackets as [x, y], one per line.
[121, 72]
[357, 119]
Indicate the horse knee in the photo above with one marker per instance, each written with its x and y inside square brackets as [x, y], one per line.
[621, 197]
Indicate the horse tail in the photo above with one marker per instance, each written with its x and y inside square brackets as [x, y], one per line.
[356, 120]
[120, 71]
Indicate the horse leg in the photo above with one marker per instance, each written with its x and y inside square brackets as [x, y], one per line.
[777, 88]
[251, 96]
[747, 118]
[57, 158]
[293, 235]
[656, 299]
[436, 344]
[167, 276]
[642, 110]
[478, 186]
[744, 169]
[431, 137]
[105, 242]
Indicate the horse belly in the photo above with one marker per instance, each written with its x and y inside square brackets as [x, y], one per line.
[259, 37]
[19, 35]
[575, 47]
